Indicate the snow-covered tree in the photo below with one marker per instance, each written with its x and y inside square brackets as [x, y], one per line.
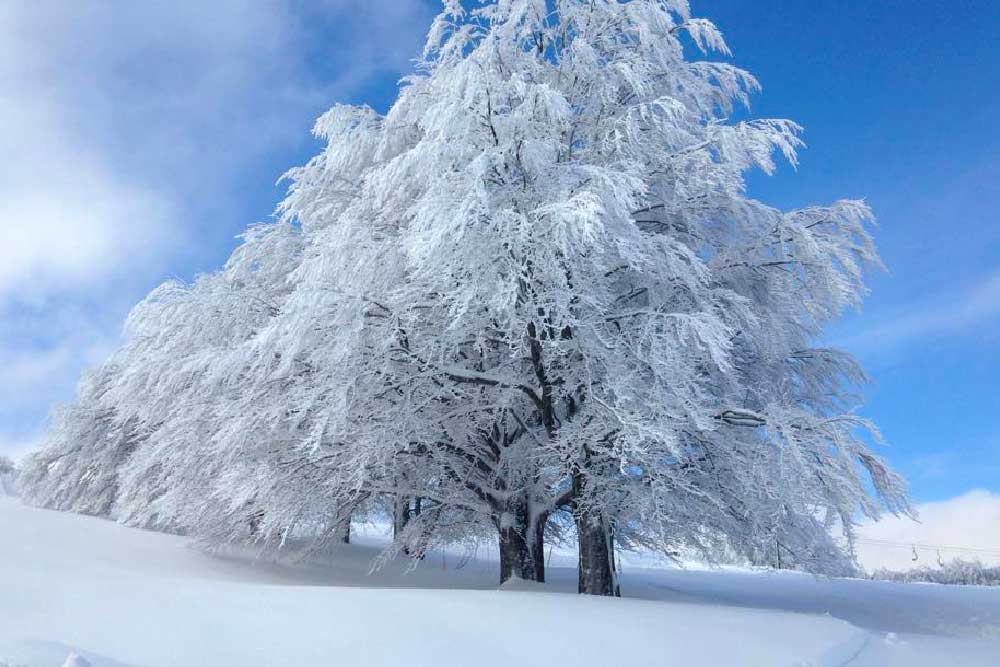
[88, 444]
[8, 477]
[537, 285]
[140, 430]
[555, 291]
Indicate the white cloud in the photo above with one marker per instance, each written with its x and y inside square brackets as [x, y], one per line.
[114, 115]
[137, 139]
[71, 224]
[964, 527]
[65, 216]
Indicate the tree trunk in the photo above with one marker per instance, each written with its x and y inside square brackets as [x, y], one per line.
[254, 522]
[519, 557]
[400, 518]
[597, 565]
[538, 547]
[522, 547]
[595, 541]
[400, 515]
[344, 531]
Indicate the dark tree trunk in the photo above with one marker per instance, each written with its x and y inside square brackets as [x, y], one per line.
[255, 520]
[344, 531]
[538, 547]
[522, 547]
[515, 557]
[520, 557]
[400, 515]
[401, 518]
[597, 564]
[596, 547]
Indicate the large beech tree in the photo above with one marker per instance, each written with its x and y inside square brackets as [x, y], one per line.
[535, 288]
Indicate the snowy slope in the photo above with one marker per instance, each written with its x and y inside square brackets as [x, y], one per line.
[119, 596]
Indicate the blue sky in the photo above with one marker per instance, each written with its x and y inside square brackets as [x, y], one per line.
[898, 100]
[140, 138]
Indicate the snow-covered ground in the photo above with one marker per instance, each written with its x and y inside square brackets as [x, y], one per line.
[116, 596]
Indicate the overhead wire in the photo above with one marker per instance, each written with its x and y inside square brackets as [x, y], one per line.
[934, 547]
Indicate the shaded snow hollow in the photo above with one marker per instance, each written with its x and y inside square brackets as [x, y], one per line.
[115, 597]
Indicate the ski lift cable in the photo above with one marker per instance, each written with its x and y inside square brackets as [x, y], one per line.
[918, 545]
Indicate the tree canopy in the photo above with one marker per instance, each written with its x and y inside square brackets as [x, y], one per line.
[532, 300]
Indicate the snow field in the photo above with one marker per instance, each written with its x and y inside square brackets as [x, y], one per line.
[118, 596]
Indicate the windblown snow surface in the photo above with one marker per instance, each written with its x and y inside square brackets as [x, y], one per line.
[83, 591]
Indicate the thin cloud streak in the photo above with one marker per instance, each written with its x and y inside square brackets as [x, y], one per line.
[942, 315]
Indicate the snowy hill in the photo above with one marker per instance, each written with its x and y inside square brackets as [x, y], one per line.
[116, 596]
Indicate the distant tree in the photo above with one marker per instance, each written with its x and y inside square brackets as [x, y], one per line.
[958, 572]
[8, 477]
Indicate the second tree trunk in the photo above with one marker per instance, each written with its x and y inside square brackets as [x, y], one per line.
[522, 547]
[596, 564]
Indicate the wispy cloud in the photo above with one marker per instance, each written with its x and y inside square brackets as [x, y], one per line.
[952, 313]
